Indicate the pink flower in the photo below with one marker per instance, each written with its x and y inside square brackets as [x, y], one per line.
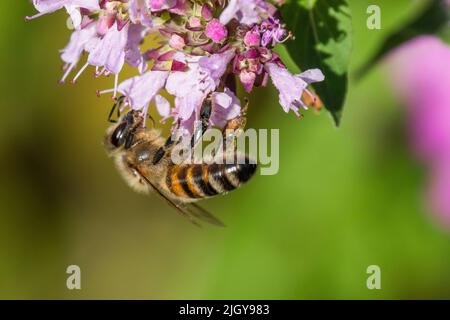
[439, 192]
[247, 79]
[291, 86]
[139, 13]
[177, 42]
[195, 57]
[421, 73]
[194, 22]
[216, 31]
[49, 6]
[215, 65]
[272, 32]
[246, 12]
[141, 90]
[226, 107]
[166, 58]
[78, 43]
[252, 38]
[133, 55]
[191, 87]
[206, 12]
[158, 5]
[110, 51]
[249, 65]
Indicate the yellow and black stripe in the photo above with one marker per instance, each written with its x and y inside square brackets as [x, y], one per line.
[196, 181]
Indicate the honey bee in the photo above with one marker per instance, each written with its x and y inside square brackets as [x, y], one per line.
[143, 158]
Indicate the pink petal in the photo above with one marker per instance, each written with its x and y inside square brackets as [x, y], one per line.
[162, 105]
[110, 51]
[140, 90]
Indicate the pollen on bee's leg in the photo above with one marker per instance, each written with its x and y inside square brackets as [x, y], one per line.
[74, 80]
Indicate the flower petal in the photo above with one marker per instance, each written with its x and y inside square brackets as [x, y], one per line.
[140, 90]
[312, 75]
[78, 40]
[291, 86]
[226, 107]
[110, 51]
[162, 105]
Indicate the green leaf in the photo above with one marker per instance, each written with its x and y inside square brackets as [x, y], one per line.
[431, 20]
[323, 39]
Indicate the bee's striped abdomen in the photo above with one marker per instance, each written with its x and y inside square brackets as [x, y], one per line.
[202, 180]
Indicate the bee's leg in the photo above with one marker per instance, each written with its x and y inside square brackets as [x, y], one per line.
[235, 127]
[136, 125]
[129, 139]
[162, 151]
[205, 114]
[116, 106]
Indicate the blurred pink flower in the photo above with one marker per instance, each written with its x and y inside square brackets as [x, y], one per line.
[439, 193]
[421, 73]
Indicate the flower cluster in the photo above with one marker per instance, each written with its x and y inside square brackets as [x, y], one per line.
[205, 46]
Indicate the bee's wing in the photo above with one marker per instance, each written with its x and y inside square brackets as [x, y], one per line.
[200, 213]
[191, 211]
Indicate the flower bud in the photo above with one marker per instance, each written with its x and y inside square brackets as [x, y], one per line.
[194, 22]
[252, 39]
[216, 31]
[177, 42]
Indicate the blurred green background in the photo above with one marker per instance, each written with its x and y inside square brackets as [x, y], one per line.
[343, 199]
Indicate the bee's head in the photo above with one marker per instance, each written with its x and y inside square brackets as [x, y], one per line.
[122, 133]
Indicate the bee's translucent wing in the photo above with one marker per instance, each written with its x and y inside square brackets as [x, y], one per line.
[191, 211]
[200, 213]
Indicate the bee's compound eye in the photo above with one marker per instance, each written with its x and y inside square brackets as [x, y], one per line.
[117, 138]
